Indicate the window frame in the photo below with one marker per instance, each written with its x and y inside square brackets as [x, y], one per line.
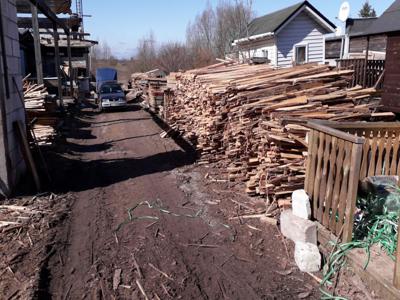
[301, 45]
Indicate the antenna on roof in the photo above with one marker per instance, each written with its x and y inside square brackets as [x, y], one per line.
[344, 11]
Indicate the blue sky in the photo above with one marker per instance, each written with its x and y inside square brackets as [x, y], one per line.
[123, 22]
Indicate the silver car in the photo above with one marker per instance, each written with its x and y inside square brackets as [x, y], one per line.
[111, 96]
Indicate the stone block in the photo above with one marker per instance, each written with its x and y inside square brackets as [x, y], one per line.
[301, 206]
[307, 257]
[298, 229]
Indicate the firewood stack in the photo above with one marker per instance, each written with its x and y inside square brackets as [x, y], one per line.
[36, 109]
[249, 119]
[34, 96]
[151, 90]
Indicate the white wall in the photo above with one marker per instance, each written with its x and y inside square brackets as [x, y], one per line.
[255, 49]
[10, 152]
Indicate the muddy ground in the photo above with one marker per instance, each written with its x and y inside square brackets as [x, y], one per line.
[143, 220]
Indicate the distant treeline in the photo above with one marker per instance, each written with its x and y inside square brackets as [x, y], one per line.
[208, 37]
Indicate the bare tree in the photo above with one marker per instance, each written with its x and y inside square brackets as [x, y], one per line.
[232, 20]
[173, 56]
[146, 57]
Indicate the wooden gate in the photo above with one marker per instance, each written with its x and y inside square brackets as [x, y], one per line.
[339, 156]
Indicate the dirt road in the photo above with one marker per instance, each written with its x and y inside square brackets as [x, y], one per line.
[179, 239]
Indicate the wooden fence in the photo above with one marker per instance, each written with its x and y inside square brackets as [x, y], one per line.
[367, 77]
[339, 156]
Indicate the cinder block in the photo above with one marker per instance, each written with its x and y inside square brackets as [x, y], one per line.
[301, 204]
[307, 257]
[298, 229]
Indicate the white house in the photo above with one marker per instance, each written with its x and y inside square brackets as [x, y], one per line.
[293, 35]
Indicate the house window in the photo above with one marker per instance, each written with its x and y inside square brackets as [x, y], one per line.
[265, 53]
[301, 54]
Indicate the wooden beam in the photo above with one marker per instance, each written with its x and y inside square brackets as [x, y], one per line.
[21, 131]
[57, 63]
[44, 9]
[366, 64]
[71, 81]
[37, 47]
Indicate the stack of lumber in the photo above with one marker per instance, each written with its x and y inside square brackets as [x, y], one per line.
[44, 134]
[250, 119]
[34, 96]
[41, 112]
[151, 90]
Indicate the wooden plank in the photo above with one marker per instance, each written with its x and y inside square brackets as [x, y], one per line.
[395, 158]
[336, 188]
[343, 198]
[324, 177]
[313, 166]
[354, 179]
[372, 162]
[318, 172]
[381, 148]
[330, 182]
[20, 129]
[309, 161]
[388, 153]
[365, 159]
[333, 132]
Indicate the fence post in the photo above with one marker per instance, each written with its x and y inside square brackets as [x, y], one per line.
[355, 166]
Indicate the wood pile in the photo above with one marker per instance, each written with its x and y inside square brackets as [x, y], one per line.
[44, 134]
[249, 119]
[34, 96]
[40, 111]
[151, 91]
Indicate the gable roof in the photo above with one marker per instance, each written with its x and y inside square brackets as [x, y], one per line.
[387, 22]
[272, 22]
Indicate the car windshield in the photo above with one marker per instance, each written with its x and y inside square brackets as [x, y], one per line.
[110, 89]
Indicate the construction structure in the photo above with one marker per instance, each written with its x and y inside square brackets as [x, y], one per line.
[15, 153]
[38, 34]
[12, 164]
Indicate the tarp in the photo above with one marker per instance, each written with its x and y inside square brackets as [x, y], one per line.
[105, 74]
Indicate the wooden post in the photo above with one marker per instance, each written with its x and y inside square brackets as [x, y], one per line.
[71, 81]
[88, 63]
[21, 131]
[36, 42]
[355, 166]
[366, 64]
[57, 63]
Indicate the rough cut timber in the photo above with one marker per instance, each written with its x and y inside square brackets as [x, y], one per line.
[150, 89]
[34, 96]
[37, 109]
[249, 119]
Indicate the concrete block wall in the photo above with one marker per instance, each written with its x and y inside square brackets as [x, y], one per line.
[14, 108]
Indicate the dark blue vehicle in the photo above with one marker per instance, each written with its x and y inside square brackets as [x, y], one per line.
[109, 92]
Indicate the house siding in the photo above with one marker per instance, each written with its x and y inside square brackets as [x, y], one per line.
[14, 109]
[255, 49]
[301, 30]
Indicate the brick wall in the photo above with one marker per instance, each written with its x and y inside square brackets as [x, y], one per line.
[14, 110]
